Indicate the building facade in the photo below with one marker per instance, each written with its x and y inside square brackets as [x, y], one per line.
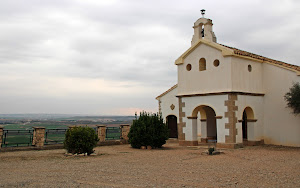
[229, 96]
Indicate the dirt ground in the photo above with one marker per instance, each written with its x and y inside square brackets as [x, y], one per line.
[171, 166]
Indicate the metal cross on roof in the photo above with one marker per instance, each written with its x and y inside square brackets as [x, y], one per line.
[202, 12]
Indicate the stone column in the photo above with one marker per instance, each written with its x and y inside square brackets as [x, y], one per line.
[101, 131]
[203, 131]
[194, 129]
[38, 136]
[239, 135]
[191, 132]
[250, 130]
[124, 134]
[1, 136]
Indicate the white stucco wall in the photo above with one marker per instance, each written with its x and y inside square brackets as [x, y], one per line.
[166, 101]
[275, 123]
[255, 129]
[281, 127]
[213, 79]
[242, 79]
[216, 102]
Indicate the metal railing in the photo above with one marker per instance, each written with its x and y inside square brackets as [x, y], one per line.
[55, 136]
[20, 138]
[16, 138]
[113, 133]
[95, 129]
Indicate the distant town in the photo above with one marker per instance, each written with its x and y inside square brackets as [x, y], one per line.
[27, 121]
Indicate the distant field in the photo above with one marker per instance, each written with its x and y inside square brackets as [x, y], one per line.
[29, 126]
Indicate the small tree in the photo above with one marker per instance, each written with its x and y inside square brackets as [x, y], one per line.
[80, 140]
[293, 98]
[148, 130]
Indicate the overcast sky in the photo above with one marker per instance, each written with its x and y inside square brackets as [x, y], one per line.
[113, 57]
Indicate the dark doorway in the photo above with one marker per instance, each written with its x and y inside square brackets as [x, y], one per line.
[211, 124]
[172, 125]
[244, 126]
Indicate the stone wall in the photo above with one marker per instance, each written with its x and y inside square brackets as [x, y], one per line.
[38, 136]
[101, 131]
[124, 134]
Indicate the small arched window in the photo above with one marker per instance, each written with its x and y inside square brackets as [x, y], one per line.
[202, 64]
[249, 68]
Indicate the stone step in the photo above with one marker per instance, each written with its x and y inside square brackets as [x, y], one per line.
[172, 140]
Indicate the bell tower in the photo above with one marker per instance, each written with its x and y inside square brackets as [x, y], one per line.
[203, 29]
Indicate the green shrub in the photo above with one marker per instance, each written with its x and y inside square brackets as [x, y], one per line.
[211, 150]
[80, 140]
[293, 98]
[148, 130]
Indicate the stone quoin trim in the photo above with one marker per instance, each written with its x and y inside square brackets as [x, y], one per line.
[232, 119]
[181, 124]
[159, 106]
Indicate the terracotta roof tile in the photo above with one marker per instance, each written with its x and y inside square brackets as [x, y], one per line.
[255, 56]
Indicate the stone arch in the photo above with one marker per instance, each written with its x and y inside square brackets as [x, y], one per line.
[208, 122]
[202, 64]
[247, 116]
[171, 121]
[250, 113]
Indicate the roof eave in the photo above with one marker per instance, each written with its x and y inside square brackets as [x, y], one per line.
[225, 51]
[166, 92]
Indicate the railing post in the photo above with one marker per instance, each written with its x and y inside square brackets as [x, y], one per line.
[101, 132]
[38, 136]
[124, 134]
[1, 136]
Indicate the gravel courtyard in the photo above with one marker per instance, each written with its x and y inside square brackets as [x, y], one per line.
[171, 166]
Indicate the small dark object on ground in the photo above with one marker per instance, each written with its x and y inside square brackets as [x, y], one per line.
[211, 150]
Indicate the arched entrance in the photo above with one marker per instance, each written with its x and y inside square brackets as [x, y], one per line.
[244, 126]
[208, 123]
[172, 125]
[247, 115]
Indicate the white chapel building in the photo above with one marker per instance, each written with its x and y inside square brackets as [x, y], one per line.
[229, 96]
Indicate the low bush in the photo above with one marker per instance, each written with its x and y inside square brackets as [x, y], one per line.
[80, 140]
[148, 130]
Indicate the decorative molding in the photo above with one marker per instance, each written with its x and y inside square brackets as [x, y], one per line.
[172, 107]
[219, 117]
[221, 93]
[225, 50]
[190, 117]
[248, 120]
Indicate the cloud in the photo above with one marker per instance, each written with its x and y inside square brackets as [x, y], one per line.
[87, 56]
